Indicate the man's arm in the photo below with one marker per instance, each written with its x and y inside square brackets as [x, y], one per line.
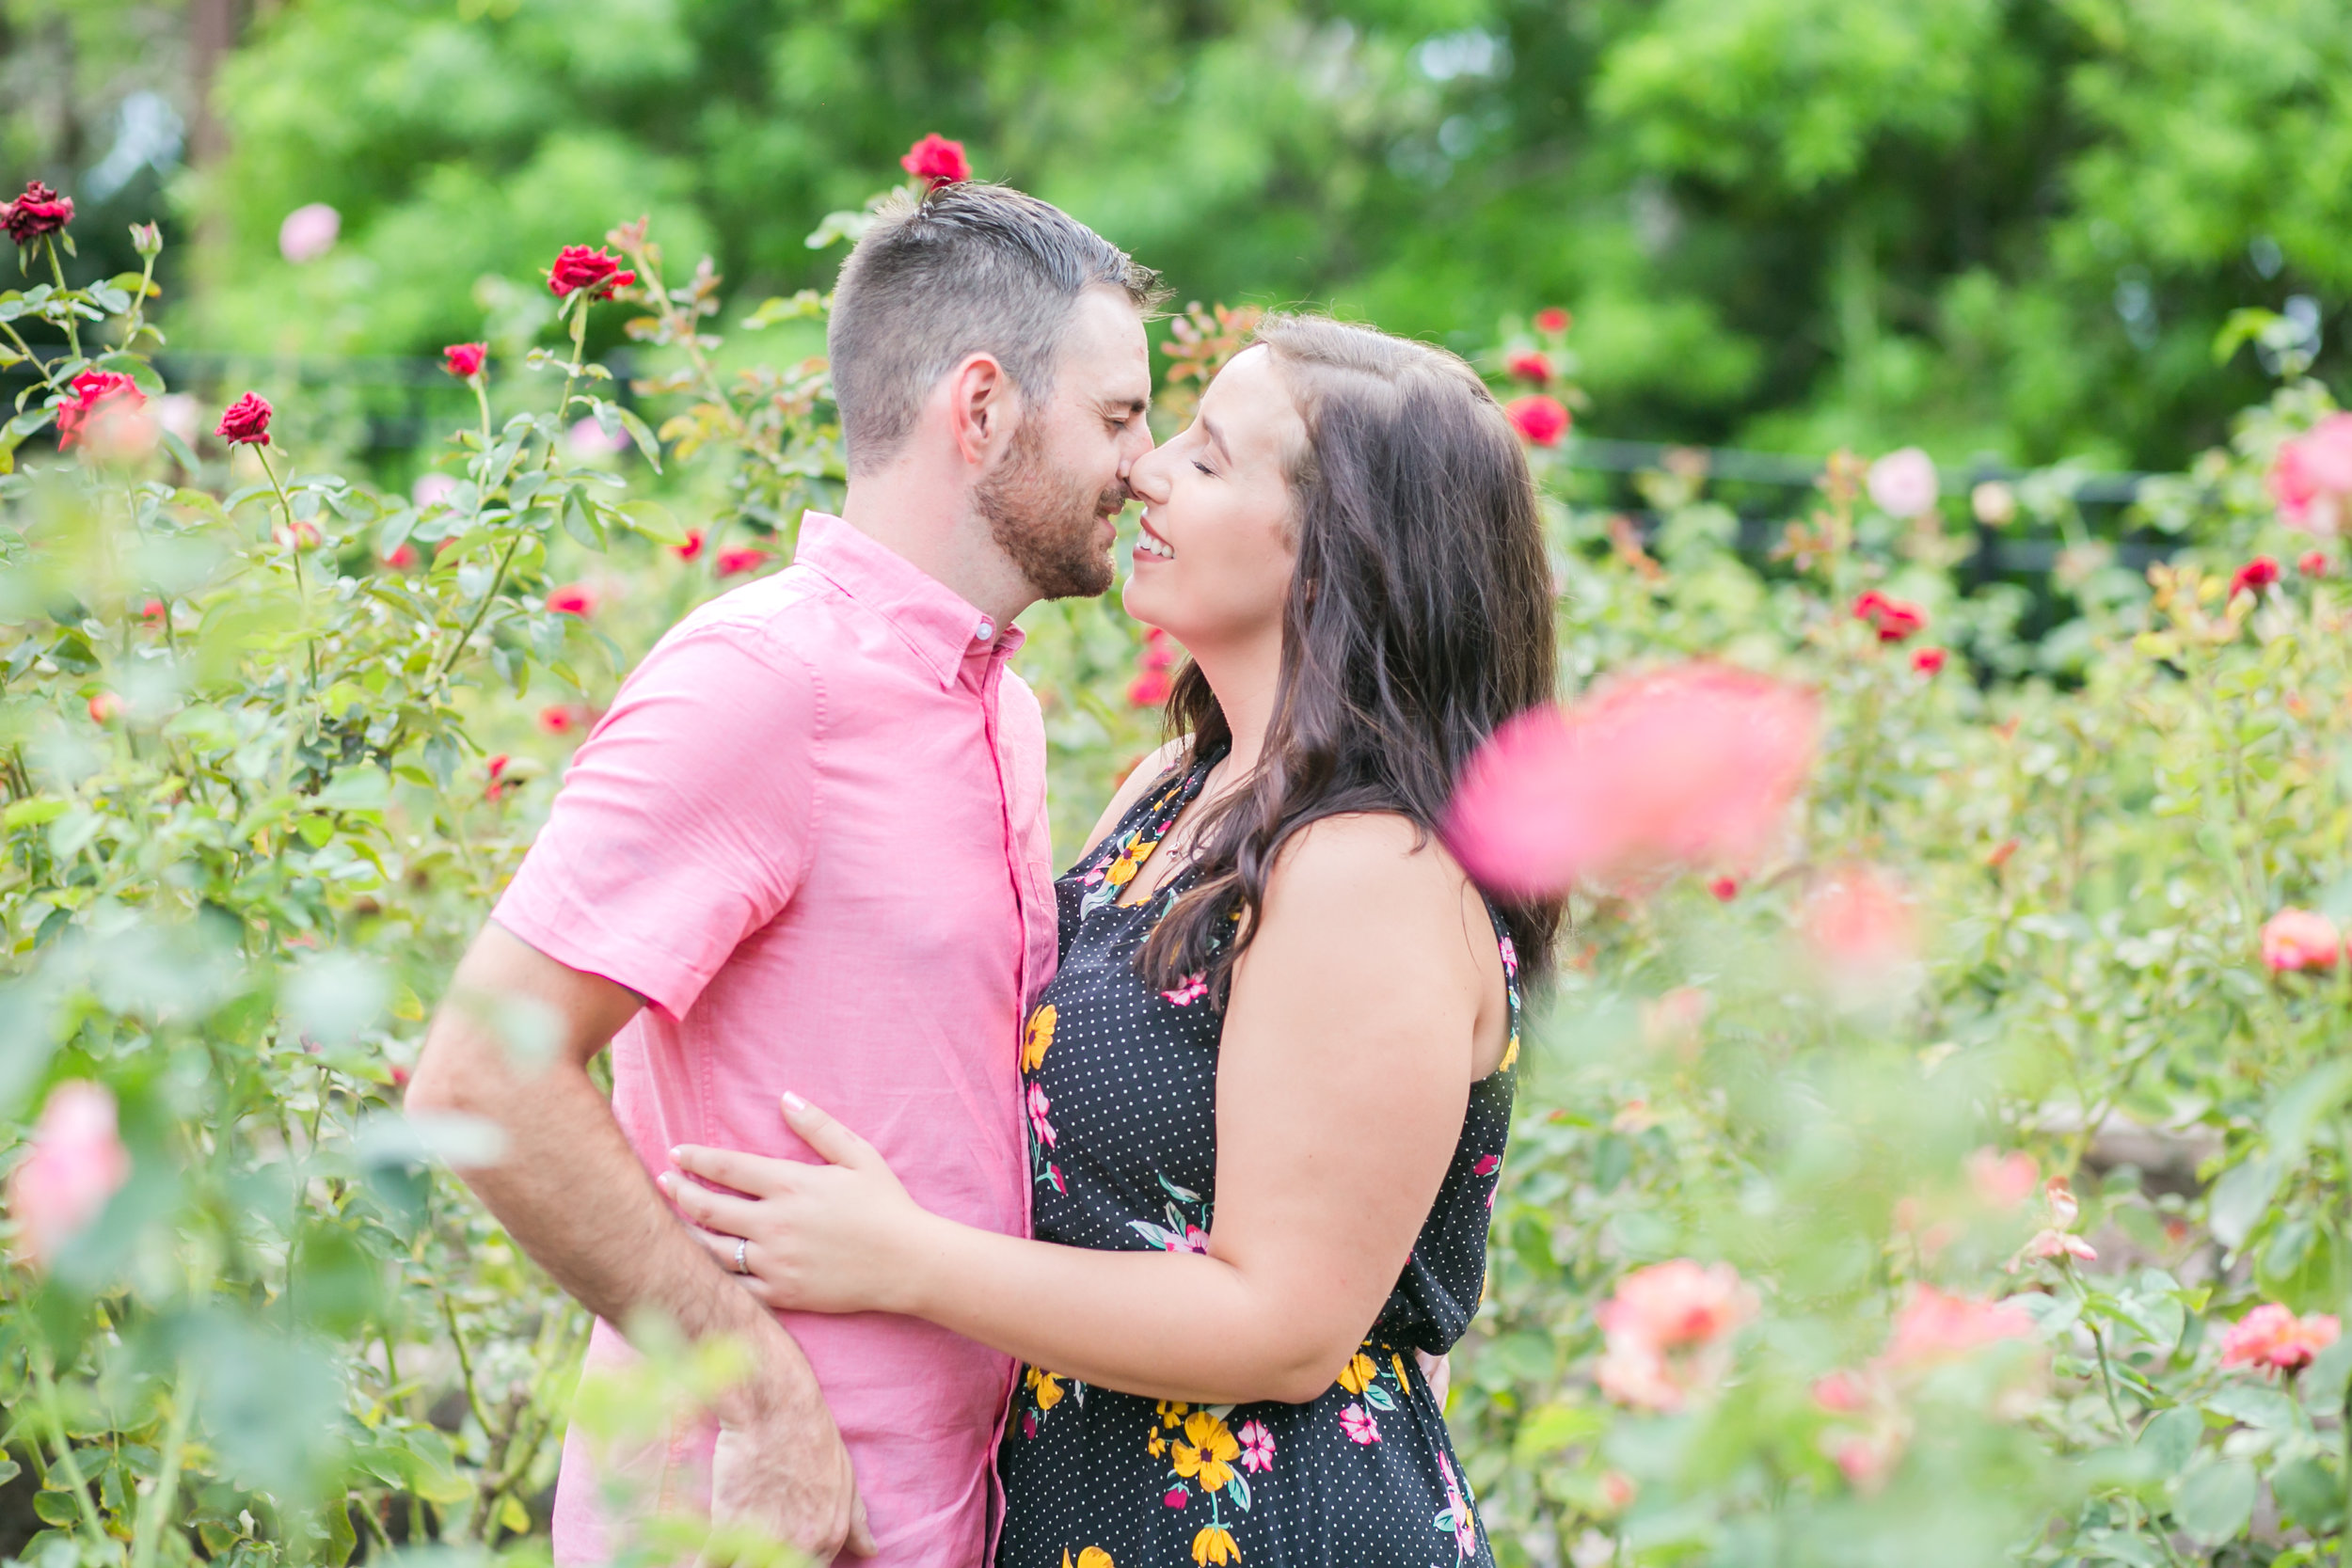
[573, 1194]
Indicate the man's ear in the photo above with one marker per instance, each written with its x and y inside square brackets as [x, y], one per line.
[982, 409]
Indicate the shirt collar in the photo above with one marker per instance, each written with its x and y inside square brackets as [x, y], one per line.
[931, 618]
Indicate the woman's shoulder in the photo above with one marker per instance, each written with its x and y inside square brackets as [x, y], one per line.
[1364, 863]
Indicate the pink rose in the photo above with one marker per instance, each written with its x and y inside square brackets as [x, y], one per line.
[576, 598]
[309, 232]
[736, 563]
[1892, 619]
[1933, 1326]
[938, 160]
[1689, 766]
[1902, 483]
[400, 556]
[104, 707]
[1148, 690]
[590, 267]
[1725, 889]
[1532, 366]
[2277, 1340]
[38, 212]
[2002, 1181]
[77, 1163]
[1861, 930]
[246, 421]
[2255, 576]
[1676, 1303]
[692, 549]
[2312, 563]
[2299, 938]
[2312, 476]
[1552, 318]
[464, 360]
[1928, 662]
[1540, 418]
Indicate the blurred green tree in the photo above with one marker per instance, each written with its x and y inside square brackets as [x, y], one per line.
[1994, 225]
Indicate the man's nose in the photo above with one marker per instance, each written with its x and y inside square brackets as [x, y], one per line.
[1140, 446]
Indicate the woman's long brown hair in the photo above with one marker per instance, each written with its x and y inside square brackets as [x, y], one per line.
[1419, 619]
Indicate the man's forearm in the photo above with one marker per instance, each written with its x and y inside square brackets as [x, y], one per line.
[571, 1191]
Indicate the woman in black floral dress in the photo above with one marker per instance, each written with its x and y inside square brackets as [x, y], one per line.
[1269, 1087]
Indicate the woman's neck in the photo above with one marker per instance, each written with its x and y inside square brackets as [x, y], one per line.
[1245, 681]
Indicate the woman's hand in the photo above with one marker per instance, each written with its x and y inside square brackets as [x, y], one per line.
[840, 1237]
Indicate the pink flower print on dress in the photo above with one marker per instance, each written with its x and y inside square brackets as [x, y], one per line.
[1357, 1423]
[1487, 1165]
[1191, 988]
[1457, 1515]
[1257, 1445]
[1039, 1105]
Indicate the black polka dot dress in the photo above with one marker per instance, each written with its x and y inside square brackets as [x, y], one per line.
[1120, 1081]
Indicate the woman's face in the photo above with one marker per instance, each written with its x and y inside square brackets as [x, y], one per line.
[1213, 567]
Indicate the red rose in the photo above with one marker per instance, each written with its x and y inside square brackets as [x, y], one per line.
[2255, 576]
[2314, 563]
[1552, 318]
[1724, 888]
[464, 359]
[1540, 418]
[151, 610]
[1148, 690]
[302, 536]
[401, 556]
[105, 707]
[1928, 662]
[573, 599]
[580, 266]
[245, 422]
[1532, 366]
[1159, 651]
[563, 717]
[39, 211]
[1892, 619]
[692, 548]
[938, 160]
[736, 563]
[93, 390]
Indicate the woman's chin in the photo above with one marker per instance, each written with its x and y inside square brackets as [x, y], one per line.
[1138, 599]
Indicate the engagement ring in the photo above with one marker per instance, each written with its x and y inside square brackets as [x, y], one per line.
[742, 1245]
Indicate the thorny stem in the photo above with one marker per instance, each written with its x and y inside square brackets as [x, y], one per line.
[56, 270]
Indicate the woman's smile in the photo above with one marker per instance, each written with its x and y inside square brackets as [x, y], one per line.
[1149, 546]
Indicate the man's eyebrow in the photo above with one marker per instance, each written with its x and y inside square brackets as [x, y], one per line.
[1217, 436]
[1116, 404]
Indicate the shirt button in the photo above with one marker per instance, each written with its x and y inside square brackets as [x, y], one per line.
[985, 632]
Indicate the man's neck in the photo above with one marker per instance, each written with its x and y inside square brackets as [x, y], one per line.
[934, 526]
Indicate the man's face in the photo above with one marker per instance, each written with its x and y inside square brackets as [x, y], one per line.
[1053, 500]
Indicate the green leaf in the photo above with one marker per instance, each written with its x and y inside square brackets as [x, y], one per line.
[1553, 1427]
[2255, 1406]
[652, 519]
[2171, 1438]
[2241, 1197]
[365, 787]
[641, 434]
[57, 1508]
[2215, 1501]
[34, 811]
[138, 369]
[776, 308]
[581, 526]
[2309, 1494]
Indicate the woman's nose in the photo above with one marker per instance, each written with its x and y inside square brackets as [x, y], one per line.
[1147, 476]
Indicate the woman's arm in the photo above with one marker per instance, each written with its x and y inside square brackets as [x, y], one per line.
[1357, 1020]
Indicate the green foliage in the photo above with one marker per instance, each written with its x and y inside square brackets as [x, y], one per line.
[1984, 226]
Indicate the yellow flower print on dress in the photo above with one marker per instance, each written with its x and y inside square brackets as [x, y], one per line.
[1214, 1545]
[1089, 1557]
[1048, 1386]
[1357, 1374]
[1039, 1038]
[1207, 1453]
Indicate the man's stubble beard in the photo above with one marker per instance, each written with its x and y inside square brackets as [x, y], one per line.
[1045, 521]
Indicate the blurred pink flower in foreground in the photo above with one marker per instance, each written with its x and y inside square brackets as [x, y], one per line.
[1902, 483]
[77, 1163]
[589, 441]
[2277, 1340]
[430, 490]
[1689, 766]
[2003, 1180]
[309, 232]
[1862, 931]
[2299, 939]
[2313, 477]
[1933, 1326]
[1666, 1329]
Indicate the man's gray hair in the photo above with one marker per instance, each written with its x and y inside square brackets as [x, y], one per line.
[968, 268]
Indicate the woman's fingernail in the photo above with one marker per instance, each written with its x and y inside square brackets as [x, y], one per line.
[793, 1101]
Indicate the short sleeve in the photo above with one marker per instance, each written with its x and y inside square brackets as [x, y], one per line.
[684, 822]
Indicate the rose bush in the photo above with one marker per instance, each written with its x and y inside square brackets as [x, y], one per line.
[1932, 1152]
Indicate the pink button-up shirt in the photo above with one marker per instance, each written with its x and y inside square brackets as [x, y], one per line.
[811, 834]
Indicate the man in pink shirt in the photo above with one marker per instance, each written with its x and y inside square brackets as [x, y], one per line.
[806, 852]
